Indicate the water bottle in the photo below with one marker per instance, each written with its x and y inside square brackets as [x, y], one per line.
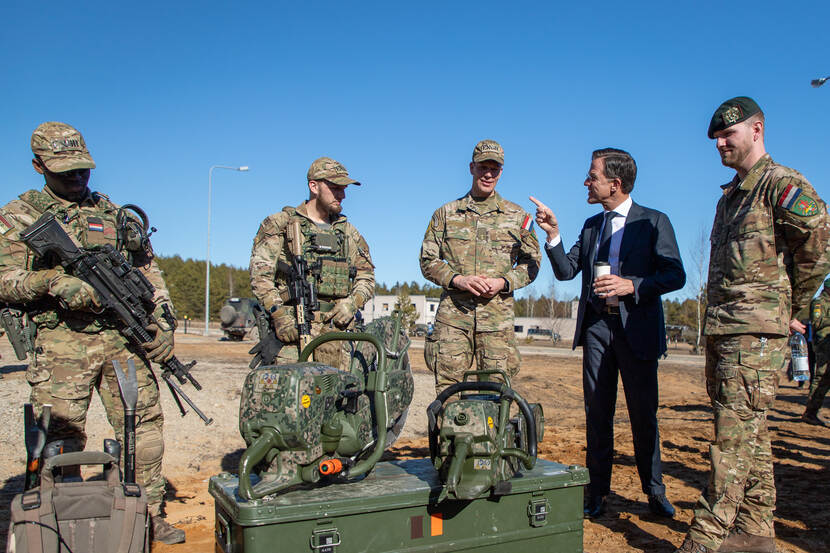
[801, 365]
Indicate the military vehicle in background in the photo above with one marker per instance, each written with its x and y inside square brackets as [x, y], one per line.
[237, 319]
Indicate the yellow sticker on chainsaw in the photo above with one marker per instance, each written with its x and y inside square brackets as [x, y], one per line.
[490, 422]
[305, 401]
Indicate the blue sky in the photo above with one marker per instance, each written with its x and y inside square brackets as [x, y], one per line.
[400, 93]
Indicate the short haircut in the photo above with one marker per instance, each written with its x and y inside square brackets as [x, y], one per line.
[618, 165]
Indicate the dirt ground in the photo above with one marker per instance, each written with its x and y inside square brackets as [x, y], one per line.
[549, 376]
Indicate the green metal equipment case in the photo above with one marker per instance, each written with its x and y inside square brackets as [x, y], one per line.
[393, 509]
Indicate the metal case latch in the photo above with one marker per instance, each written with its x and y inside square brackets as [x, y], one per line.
[325, 540]
[222, 532]
[537, 511]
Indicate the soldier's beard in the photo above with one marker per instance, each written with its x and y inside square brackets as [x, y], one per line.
[334, 209]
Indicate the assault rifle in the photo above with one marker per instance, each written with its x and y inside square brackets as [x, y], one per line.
[124, 292]
[303, 291]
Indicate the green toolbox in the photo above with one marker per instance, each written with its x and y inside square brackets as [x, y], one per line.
[394, 509]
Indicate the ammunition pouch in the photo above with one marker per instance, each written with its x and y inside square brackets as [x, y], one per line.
[334, 277]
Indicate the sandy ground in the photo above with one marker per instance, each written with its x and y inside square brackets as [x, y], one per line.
[549, 376]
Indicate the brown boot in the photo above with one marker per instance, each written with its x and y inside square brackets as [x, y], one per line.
[739, 541]
[691, 546]
[164, 532]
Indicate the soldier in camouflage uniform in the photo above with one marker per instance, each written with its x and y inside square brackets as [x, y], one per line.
[480, 250]
[820, 383]
[769, 255]
[76, 343]
[337, 256]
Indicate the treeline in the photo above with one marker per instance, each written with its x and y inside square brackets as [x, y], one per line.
[541, 306]
[411, 288]
[185, 279]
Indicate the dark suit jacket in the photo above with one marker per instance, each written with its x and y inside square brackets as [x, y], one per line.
[648, 256]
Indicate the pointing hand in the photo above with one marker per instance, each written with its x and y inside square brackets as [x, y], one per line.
[546, 219]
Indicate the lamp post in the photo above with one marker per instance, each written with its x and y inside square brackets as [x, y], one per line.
[207, 256]
[815, 83]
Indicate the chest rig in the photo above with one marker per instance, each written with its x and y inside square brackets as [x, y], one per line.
[326, 250]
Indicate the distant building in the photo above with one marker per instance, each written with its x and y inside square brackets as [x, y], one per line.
[381, 306]
[544, 328]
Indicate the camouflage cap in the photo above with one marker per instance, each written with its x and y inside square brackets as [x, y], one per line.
[488, 149]
[61, 147]
[731, 112]
[325, 168]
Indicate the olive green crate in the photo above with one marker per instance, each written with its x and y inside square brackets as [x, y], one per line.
[394, 509]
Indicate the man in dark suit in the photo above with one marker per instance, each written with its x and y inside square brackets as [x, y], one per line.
[620, 319]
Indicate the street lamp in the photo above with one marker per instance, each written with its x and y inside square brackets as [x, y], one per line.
[207, 257]
[818, 82]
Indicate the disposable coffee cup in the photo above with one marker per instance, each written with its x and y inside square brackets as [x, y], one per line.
[601, 268]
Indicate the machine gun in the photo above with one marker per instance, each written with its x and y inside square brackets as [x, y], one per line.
[17, 331]
[474, 444]
[124, 292]
[305, 422]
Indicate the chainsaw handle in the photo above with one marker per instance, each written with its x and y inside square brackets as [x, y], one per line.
[502, 389]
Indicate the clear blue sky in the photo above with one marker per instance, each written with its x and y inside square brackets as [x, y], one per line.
[400, 93]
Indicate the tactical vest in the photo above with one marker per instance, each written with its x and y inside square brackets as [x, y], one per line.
[327, 253]
[92, 231]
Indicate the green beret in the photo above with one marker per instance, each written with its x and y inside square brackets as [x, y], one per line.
[731, 112]
[827, 283]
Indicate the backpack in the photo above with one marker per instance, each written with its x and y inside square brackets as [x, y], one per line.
[97, 516]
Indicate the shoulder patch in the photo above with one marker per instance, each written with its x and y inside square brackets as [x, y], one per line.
[5, 225]
[816, 310]
[527, 223]
[805, 205]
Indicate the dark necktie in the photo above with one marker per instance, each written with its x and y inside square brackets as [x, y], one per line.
[605, 240]
[603, 253]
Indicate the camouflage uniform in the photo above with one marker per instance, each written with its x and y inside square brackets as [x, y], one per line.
[74, 349]
[347, 273]
[768, 256]
[820, 320]
[471, 237]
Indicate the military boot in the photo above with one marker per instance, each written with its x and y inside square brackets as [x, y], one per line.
[691, 546]
[164, 532]
[811, 417]
[739, 541]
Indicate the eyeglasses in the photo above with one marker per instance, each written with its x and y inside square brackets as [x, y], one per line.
[484, 169]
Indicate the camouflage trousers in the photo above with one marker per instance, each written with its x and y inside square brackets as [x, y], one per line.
[742, 374]
[449, 352]
[334, 354]
[72, 365]
[820, 383]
